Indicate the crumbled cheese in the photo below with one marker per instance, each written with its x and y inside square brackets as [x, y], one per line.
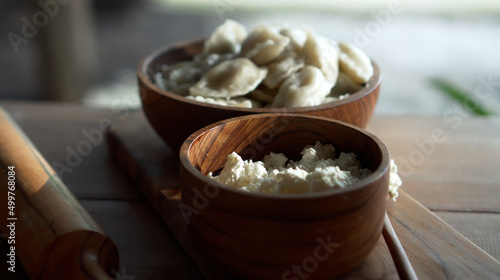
[394, 181]
[318, 170]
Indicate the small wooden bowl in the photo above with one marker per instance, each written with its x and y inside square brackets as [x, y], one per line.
[263, 236]
[174, 117]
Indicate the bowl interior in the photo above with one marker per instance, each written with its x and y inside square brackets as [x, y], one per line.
[254, 136]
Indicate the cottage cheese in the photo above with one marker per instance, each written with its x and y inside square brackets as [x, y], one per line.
[394, 181]
[318, 170]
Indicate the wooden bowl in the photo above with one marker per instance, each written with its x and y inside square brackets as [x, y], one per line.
[264, 236]
[174, 117]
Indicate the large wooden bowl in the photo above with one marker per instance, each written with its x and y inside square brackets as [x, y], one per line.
[174, 117]
[264, 236]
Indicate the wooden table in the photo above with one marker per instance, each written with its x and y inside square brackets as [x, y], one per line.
[448, 164]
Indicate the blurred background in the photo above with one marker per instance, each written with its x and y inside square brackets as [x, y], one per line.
[435, 56]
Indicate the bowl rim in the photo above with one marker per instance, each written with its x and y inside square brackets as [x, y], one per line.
[143, 76]
[381, 170]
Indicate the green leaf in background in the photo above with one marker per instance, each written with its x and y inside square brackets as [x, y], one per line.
[459, 95]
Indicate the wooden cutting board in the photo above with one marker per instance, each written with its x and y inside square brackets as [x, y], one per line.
[435, 249]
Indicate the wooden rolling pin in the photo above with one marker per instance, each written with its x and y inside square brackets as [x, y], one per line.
[45, 226]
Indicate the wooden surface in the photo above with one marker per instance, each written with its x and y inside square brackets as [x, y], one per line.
[44, 218]
[435, 250]
[149, 251]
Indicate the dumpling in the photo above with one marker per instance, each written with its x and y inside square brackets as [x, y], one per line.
[344, 85]
[227, 38]
[178, 78]
[322, 53]
[308, 87]
[287, 63]
[355, 63]
[329, 98]
[263, 45]
[240, 102]
[182, 72]
[263, 94]
[208, 60]
[297, 37]
[230, 78]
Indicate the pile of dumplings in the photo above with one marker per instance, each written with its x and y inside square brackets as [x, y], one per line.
[272, 66]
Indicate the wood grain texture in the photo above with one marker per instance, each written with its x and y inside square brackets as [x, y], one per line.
[169, 112]
[435, 249]
[50, 224]
[108, 193]
[257, 236]
[148, 251]
[457, 172]
[481, 228]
